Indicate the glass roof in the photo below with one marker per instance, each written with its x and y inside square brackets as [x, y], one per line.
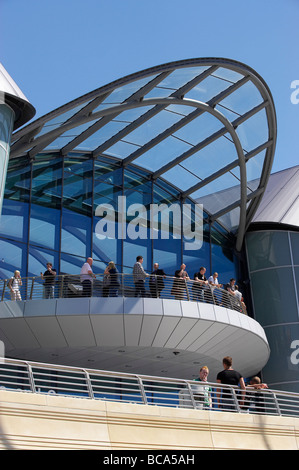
[207, 126]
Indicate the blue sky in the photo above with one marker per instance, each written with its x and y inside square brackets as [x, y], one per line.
[58, 50]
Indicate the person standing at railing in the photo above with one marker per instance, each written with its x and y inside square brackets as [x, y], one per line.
[202, 393]
[139, 276]
[49, 284]
[14, 285]
[156, 282]
[179, 284]
[86, 277]
[199, 285]
[229, 376]
[214, 283]
[110, 280]
[240, 298]
[255, 399]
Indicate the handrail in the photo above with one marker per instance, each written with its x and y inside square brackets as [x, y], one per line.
[121, 285]
[41, 378]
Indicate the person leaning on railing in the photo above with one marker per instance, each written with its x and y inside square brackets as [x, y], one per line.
[179, 284]
[156, 283]
[255, 398]
[202, 393]
[86, 277]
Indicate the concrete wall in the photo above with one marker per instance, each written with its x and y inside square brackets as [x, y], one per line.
[37, 422]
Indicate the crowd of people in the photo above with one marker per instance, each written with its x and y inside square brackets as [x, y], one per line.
[202, 289]
[250, 396]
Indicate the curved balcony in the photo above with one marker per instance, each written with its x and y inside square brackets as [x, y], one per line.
[70, 286]
[168, 330]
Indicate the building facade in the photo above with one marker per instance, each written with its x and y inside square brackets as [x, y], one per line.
[196, 136]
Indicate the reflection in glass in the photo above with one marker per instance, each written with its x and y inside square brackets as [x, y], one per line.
[44, 227]
[268, 249]
[223, 261]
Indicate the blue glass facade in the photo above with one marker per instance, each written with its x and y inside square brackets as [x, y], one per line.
[50, 214]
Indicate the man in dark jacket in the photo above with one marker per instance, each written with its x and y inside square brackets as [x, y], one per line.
[156, 282]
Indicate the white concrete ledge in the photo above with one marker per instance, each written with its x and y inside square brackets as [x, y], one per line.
[91, 332]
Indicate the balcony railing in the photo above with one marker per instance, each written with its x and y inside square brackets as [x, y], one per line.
[32, 377]
[70, 286]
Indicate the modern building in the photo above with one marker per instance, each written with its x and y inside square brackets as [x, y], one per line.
[272, 244]
[82, 182]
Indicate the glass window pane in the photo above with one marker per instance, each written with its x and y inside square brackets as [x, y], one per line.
[223, 261]
[254, 131]
[280, 357]
[77, 187]
[38, 259]
[14, 220]
[18, 181]
[76, 233]
[242, 100]
[274, 292]
[47, 182]
[13, 256]
[45, 226]
[295, 247]
[267, 249]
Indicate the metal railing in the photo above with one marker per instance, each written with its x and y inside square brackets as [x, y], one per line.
[31, 377]
[70, 286]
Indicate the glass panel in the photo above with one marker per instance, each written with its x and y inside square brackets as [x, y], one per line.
[107, 244]
[207, 89]
[212, 158]
[76, 233]
[177, 79]
[121, 149]
[231, 219]
[47, 182]
[227, 74]
[223, 261]
[58, 120]
[180, 177]
[38, 259]
[274, 293]
[162, 153]
[77, 188]
[280, 366]
[70, 264]
[153, 127]
[6, 124]
[13, 256]
[122, 93]
[243, 99]
[254, 131]
[166, 251]
[254, 168]
[199, 129]
[194, 259]
[295, 247]
[69, 135]
[18, 182]
[267, 249]
[101, 136]
[14, 220]
[220, 193]
[45, 226]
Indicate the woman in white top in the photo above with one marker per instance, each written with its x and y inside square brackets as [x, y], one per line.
[14, 285]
